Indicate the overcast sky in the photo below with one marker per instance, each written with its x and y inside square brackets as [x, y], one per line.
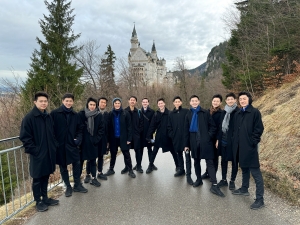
[180, 28]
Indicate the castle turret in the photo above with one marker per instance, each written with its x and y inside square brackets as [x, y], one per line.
[153, 51]
[134, 41]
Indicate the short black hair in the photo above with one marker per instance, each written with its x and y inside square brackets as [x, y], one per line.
[68, 95]
[218, 96]
[40, 94]
[91, 99]
[132, 96]
[194, 96]
[231, 94]
[102, 98]
[247, 94]
[161, 99]
[176, 97]
[146, 99]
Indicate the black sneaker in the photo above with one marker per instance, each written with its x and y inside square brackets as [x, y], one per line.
[101, 176]
[139, 169]
[41, 206]
[179, 173]
[259, 203]
[240, 192]
[177, 168]
[189, 180]
[149, 169]
[80, 188]
[95, 182]
[231, 185]
[109, 172]
[87, 179]
[134, 168]
[50, 201]
[125, 170]
[205, 176]
[216, 190]
[69, 191]
[131, 174]
[197, 183]
[223, 183]
[153, 167]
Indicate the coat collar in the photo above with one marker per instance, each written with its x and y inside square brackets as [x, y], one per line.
[177, 110]
[248, 109]
[128, 109]
[36, 111]
[61, 109]
[165, 112]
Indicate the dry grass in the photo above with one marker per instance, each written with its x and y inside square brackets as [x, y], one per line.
[280, 144]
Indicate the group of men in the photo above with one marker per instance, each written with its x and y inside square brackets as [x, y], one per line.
[65, 137]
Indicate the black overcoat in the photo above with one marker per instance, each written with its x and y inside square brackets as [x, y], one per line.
[228, 154]
[159, 123]
[65, 132]
[175, 127]
[137, 127]
[125, 130]
[216, 116]
[147, 117]
[207, 129]
[37, 136]
[90, 143]
[248, 128]
[102, 146]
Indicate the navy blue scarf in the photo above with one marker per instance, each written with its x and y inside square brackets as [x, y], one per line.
[194, 122]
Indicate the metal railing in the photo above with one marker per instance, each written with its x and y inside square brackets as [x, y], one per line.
[15, 180]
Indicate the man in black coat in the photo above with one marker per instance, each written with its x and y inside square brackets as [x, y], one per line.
[37, 136]
[159, 123]
[68, 131]
[199, 131]
[224, 142]
[147, 114]
[248, 128]
[119, 135]
[137, 128]
[175, 131]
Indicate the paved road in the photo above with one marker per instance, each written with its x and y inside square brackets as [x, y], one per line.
[156, 198]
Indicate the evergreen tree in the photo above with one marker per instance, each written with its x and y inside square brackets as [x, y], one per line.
[52, 67]
[107, 70]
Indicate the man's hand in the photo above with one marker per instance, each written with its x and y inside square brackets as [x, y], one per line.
[128, 142]
[186, 149]
[217, 143]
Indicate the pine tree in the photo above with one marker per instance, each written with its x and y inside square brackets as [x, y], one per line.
[52, 68]
[109, 88]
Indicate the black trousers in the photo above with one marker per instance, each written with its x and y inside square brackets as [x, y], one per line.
[91, 167]
[172, 151]
[188, 163]
[149, 148]
[113, 153]
[234, 170]
[39, 188]
[256, 174]
[180, 160]
[100, 163]
[77, 168]
[210, 169]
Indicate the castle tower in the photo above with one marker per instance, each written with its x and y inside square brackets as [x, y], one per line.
[134, 41]
[153, 51]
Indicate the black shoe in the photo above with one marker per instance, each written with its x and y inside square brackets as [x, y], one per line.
[223, 183]
[149, 169]
[231, 185]
[50, 202]
[216, 190]
[177, 168]
[134, 168]
[87, 179]
[179, 173]
[139, 169]
[189, 180]
[125, 170]
[259, 203]
[109, 172]
[205, 176]
[80, 188]
[240, 192]
[131, 174]
[69, 191]
[101, 176]
[41, 206]
[153, 167]
[95, 182]
[197, 183]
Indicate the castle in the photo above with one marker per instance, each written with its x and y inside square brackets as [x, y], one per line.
[144, 64]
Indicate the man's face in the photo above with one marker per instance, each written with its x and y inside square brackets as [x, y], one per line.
[244, 100]
[177, 103]
[132, 102]
[41, 103]
[92, 105]
[216, 102]
[102, 104]
[230, 101]
[145, 103]
[194, 102]
[161, 105]
[117, 104]
[68, 102]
